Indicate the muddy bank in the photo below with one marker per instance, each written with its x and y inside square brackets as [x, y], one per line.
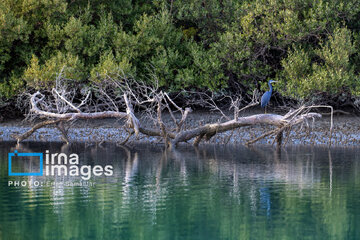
[346, 131]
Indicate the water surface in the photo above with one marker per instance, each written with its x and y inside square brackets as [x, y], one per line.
[187, 193]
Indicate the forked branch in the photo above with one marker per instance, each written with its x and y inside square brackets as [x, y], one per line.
[60, 109]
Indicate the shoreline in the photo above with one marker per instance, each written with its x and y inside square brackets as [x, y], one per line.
[346, 132]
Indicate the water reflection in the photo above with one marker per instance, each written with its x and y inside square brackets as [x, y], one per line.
[190, 193]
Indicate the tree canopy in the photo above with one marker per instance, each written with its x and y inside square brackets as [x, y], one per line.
[309, 46]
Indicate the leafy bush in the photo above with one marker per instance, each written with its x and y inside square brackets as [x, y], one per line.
[43, 76]
[108, 67]
[309, 46]
[332, 71]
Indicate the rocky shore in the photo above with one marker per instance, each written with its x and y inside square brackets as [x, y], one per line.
[346, 131]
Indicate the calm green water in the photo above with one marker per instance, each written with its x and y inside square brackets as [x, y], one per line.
[209, 193]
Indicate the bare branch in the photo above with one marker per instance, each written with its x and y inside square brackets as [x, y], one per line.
[66, 101]
[124, 92]
[133, 122]
[36, 127]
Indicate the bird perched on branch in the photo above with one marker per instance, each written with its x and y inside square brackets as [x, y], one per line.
[265, 99]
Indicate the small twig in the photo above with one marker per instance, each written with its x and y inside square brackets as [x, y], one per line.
[85, 100]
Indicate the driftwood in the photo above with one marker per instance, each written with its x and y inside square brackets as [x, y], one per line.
[60, 109]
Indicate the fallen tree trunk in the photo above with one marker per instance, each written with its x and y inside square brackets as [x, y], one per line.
[66, 111]
[212, 129]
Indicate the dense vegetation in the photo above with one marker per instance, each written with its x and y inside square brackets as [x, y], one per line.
[309, 46]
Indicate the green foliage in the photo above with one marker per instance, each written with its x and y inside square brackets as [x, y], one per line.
[297, 67]
[158, 48]
[207, 18]
[108, 67]
[309, 46]
[332, 72]
[43, 76]
[207, 67]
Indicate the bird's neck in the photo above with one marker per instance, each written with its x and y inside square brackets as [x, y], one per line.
[271, 88]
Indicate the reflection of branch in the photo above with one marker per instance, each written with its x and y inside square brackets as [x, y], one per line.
[131, 164]
[22, 148]
[330, 172]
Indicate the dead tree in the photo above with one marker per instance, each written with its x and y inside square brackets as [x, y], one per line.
[59, 109]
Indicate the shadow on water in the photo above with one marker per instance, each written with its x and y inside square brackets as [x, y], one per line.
[209, 192]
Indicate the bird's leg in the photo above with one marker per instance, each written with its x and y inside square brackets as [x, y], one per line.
[265, 109]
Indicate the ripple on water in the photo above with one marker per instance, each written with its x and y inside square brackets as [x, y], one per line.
[215, 193]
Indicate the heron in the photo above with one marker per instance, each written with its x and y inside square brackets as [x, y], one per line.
[265, 99]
